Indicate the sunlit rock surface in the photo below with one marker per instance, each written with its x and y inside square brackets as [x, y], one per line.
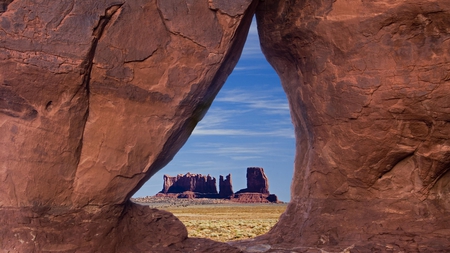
[96, 96]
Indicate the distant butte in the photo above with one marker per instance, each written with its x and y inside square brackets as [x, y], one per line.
[257, 190]
[200, 186]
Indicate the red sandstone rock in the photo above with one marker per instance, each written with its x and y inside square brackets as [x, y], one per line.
[252, 197]
[257, 190]
[92, 105]
[257, 181]
[95, 98]
[225, 187]
[187, 195]
[190, 182]
[94, 229]
[369, 90]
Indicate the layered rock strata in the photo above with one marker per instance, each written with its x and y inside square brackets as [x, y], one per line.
[96, 96]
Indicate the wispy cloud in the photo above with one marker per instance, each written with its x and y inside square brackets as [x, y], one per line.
[255, 100]
[245, 158]
[218, 116]
[285, 133]
[230, 150]
[221, 120]
[252, 68]
[252, 48]
[253, 28]
[237, 152]
[220, 132]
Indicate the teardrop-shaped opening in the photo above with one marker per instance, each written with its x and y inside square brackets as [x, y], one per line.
[248, 125]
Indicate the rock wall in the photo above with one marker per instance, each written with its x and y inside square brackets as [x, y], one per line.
[190, 182]
[96, 97]
[369, 88]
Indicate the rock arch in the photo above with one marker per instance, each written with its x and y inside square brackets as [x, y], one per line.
[92, 105]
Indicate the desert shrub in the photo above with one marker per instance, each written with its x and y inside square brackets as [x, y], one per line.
[225, 222]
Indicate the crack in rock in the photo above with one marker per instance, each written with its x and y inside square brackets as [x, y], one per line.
[4, 5]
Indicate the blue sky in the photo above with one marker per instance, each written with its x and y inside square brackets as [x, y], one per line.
[248, 125]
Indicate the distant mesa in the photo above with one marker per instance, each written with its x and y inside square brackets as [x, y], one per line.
[189, 185]
[200, 186]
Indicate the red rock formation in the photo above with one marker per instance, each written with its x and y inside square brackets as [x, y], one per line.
[225, 187]
[252, 197]
[257, 181]
[369, 88]
[95, 97]
[198, 186]
[92, 105]
[187, 195]
[257, 190]
[190, 182]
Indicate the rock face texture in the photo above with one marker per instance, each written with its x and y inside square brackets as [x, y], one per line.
[96, 96]
[369, 88]
[189, 182]
[225, 187]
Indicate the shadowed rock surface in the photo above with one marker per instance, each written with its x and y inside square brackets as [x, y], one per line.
[225, 187]
[92, 105]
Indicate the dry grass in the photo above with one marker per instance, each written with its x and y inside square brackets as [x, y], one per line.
[225, 222]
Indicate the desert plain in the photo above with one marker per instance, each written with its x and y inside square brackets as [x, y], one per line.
[220, 220]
